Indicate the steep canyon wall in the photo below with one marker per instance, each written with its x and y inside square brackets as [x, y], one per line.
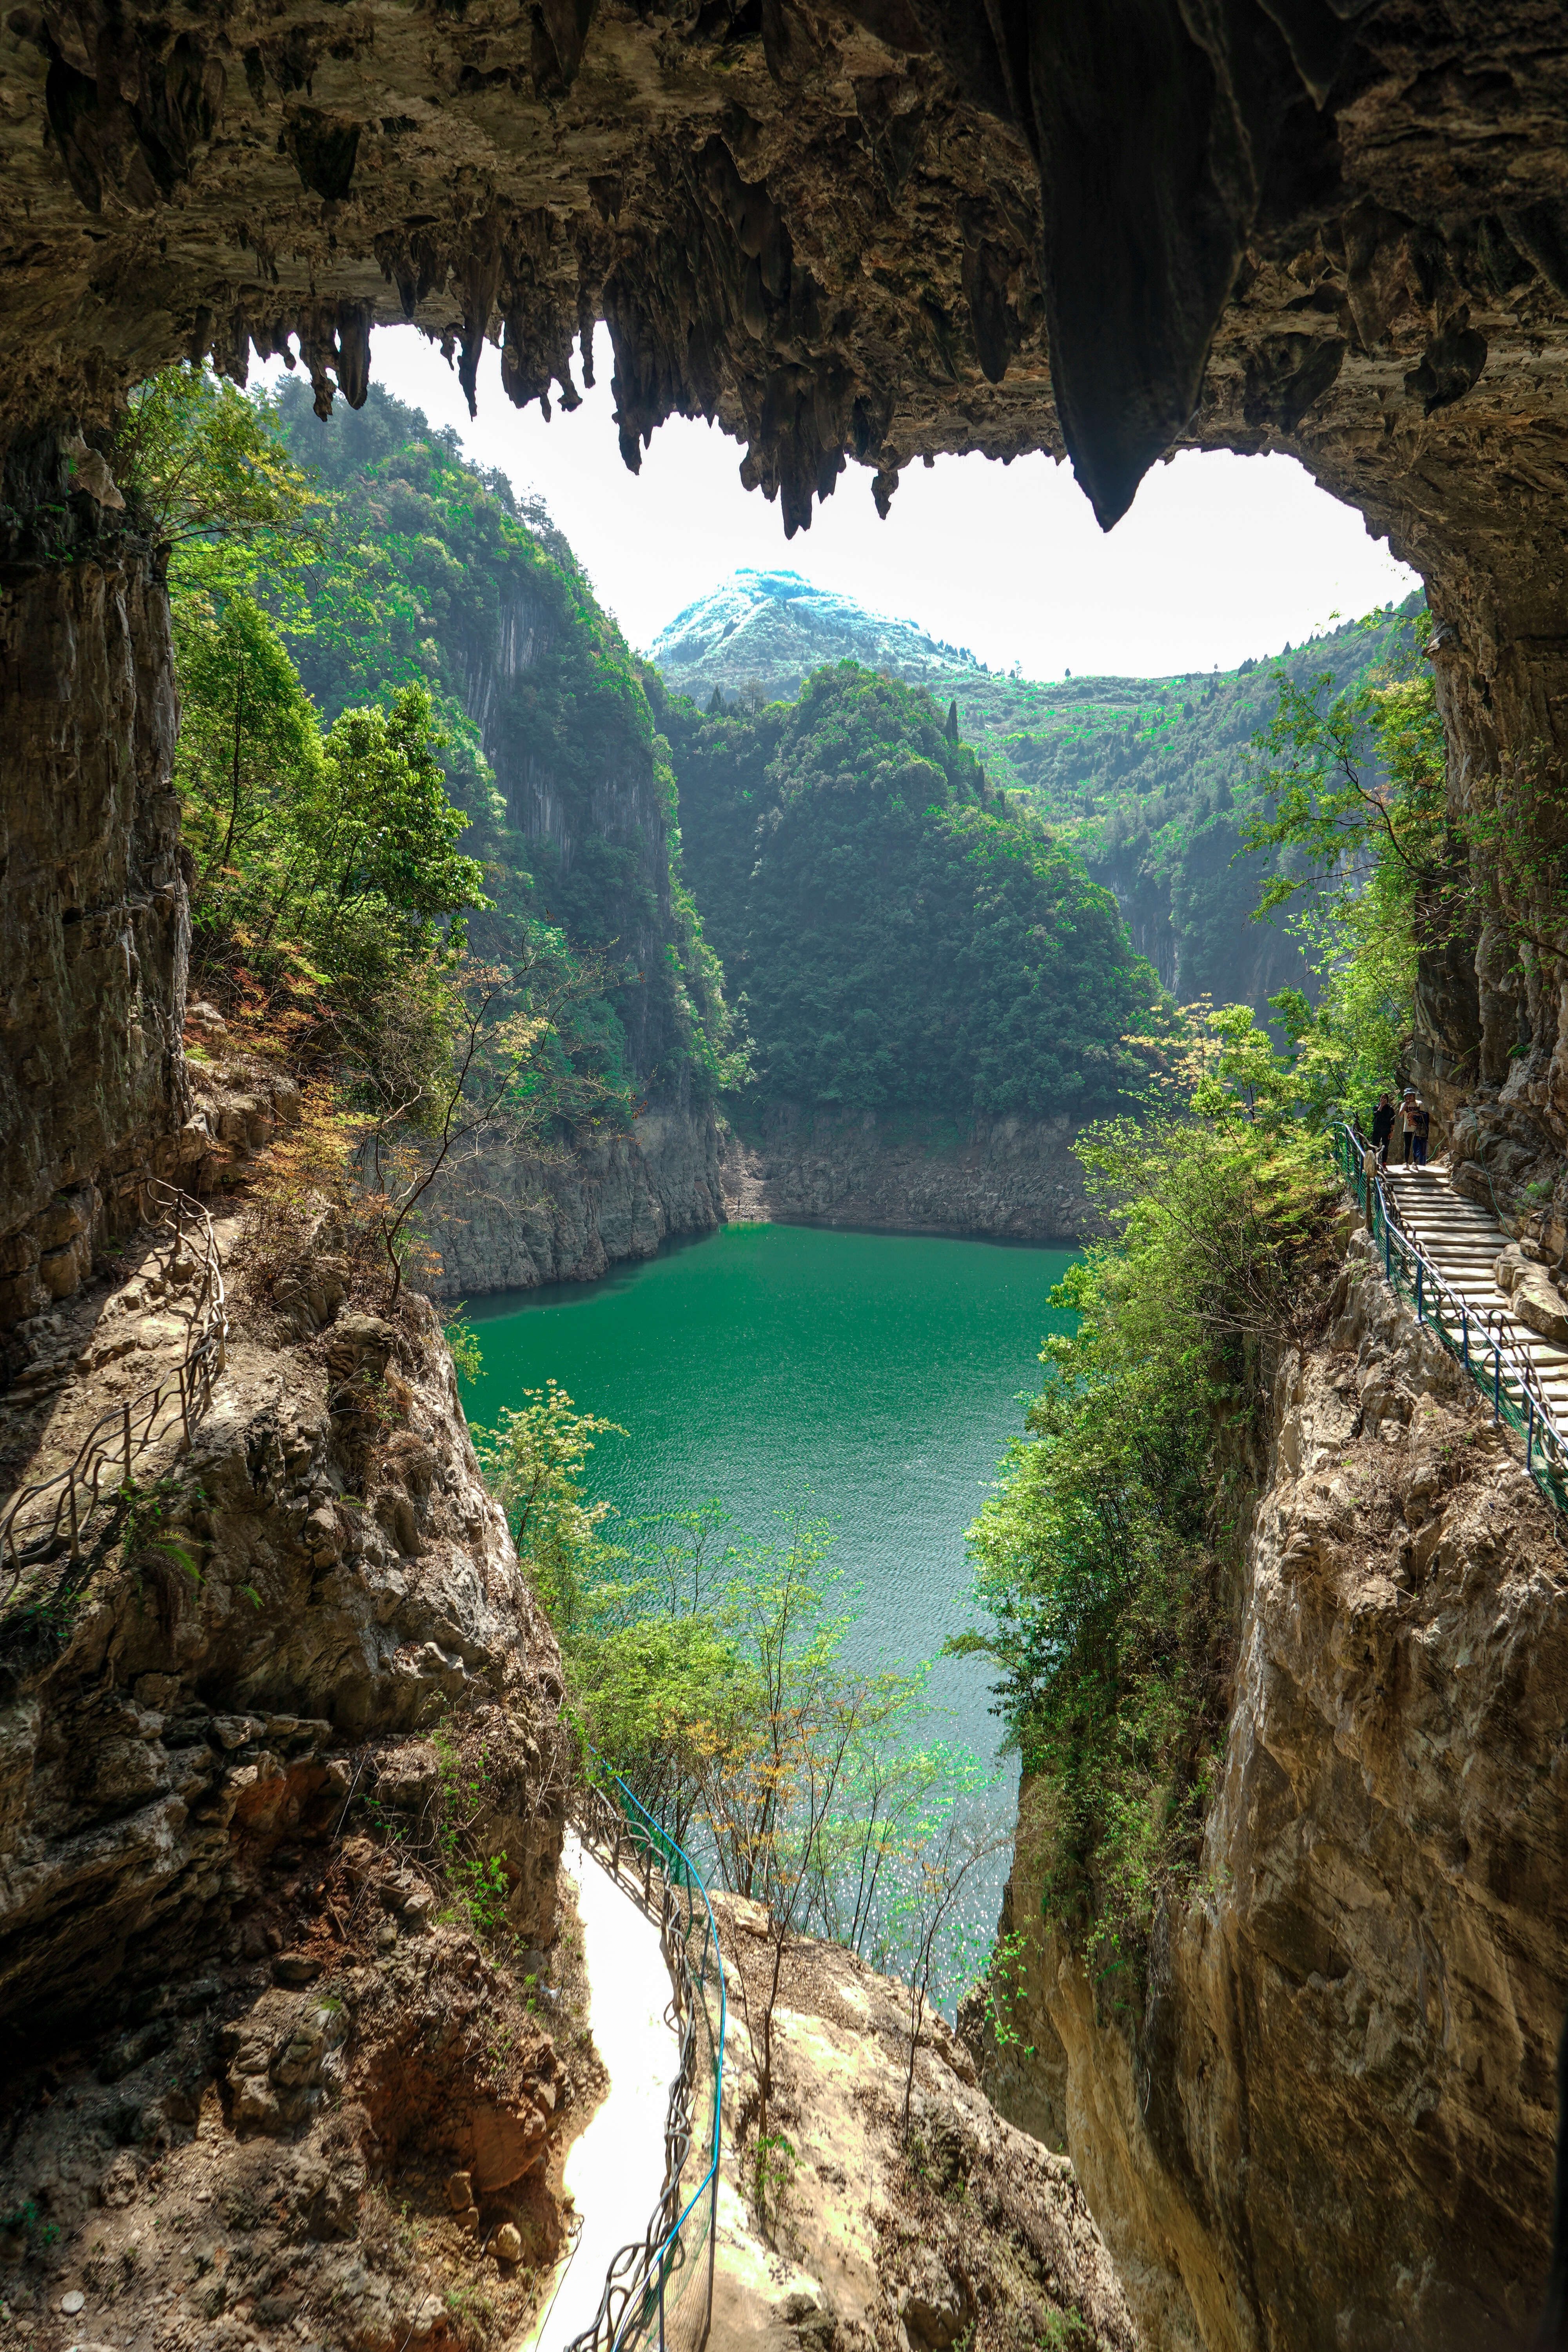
[1009, 1179]
[93, 921]
[1329, 2114]
[509, 1219]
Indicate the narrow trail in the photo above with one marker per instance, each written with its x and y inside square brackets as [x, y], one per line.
[1464, 1241]
[615, 2170]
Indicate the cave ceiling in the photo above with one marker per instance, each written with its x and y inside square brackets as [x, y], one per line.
[854, 237]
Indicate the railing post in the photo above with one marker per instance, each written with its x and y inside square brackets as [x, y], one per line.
[1465, 1335]
[125, 1424]
[1418, 1270]
[1369, 1185]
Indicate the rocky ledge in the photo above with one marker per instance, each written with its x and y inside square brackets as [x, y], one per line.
[508, 1221]
[848, 2236]
[281, 1797]
[1334, 2112]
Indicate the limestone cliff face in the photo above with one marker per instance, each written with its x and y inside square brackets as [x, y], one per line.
[93, 923]
[321, 1568]
[1334, 2118]
[966, 2233]
[619, 812]
[510, 1222]
[1010, 1179]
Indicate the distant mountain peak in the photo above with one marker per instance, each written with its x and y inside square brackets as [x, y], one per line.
[769, 630]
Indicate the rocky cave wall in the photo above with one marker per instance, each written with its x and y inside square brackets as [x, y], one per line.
[1329, 2113]
[93, 920]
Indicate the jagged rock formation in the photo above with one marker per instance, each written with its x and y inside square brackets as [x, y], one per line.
[1338, 2106]
[769, 630]
[1012, 1179]
[968, 2233]
[325, 1567]
[243, 2012]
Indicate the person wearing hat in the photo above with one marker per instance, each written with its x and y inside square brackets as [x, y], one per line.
[1423, 1129]
[1413, 1124]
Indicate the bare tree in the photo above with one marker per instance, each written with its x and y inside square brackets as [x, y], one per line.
[503, 1074]
[939, 1867]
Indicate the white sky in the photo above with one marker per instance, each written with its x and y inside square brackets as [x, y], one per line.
[1220, 558]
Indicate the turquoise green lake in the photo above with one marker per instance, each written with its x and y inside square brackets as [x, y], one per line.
[871, 1380]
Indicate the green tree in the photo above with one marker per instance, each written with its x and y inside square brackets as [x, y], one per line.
[1100, 1560]
[1351, 814]
[533, 1460]
[374, 825]
[209, 471]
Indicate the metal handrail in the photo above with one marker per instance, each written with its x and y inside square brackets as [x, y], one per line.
[1431, 1291]
[119, 1437]
[635, 2281]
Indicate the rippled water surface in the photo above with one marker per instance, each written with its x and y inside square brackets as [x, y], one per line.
[870, 1380]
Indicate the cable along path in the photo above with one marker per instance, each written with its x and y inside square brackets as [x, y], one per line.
[649, 2155]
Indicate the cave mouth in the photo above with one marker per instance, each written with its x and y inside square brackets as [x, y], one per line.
[862, 238]
[855, 239]
[1221, 559]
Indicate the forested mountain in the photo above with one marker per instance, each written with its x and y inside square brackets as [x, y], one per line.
[758, 636]
[897, 929]
[439, 576]
[899, 935]
[1148, 778]
[1142, 776]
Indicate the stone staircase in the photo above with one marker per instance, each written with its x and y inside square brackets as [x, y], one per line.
[1464, 1241]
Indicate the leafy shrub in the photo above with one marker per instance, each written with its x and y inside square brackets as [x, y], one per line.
[1101, 1560]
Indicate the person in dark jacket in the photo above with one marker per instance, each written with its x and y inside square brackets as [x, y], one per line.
[1383, 1128]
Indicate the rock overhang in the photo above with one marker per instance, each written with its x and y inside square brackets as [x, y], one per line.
[870, 233]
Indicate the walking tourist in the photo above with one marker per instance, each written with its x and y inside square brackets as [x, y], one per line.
[1383, 1128]
[1409, 1119]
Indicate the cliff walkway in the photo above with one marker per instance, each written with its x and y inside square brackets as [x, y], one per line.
[649, 2156]
[1492, 1306]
